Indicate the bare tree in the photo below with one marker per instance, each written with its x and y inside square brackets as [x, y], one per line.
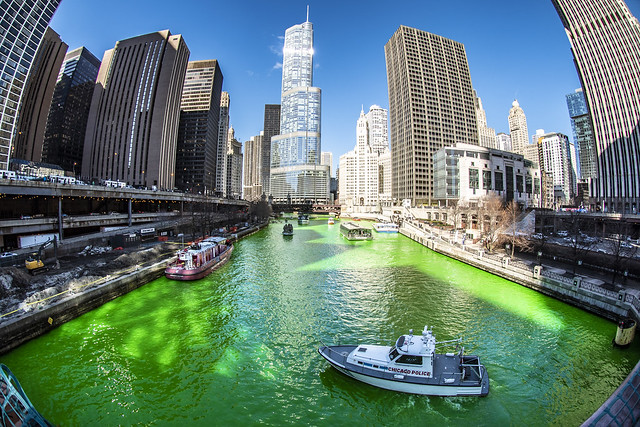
[489, 217]
[578, 242]
[511, 233]
[619, 248]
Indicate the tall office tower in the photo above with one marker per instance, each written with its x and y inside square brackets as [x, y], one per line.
[430, 105]
[197, 148]
[503, 142]
[22, 25]
[378, 121]
[360, 168]
[486, 135]
[296, 172]
[605, 42]
[234, 166]
[518, 128]
[252, 169]
[271, 128]
[67, 121]
[555, 158]
[326, 158]
[135, 112]
[223, 144]
[36, 98]
[583, 134]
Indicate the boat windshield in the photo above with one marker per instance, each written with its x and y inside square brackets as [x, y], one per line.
[393, 354]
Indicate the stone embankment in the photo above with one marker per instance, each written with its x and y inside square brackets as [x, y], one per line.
[49, 313]
[623, 407]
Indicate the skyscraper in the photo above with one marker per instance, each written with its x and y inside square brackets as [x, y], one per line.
[518, 128]
[252, 169]
[431, 105]
[555, 158]
[234, 166]
[135, 111]
[22, 26]
[271, 128]
[197, 147]
[223, 145]
[296, 172]
[67, 121]
[377, 122]
[326, 158]
[486, 135]
[36, 99]
[605, 42]
[583, 134]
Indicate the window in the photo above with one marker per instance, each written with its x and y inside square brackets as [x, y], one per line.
[410, 360]
[393, 353]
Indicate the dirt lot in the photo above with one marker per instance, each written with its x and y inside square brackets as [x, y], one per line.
[19, 290]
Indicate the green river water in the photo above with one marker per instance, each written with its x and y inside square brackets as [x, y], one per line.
[240, 346]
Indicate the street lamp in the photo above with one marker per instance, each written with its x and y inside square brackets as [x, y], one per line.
[507, 248]
[539, 256]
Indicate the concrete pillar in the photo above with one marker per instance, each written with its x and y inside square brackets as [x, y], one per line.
[537, 271]
[130, 218]
[577, 281]
[60, 228]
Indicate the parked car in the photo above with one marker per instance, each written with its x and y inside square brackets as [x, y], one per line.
[8, 254]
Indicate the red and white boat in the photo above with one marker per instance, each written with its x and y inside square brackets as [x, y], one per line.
[199, 259]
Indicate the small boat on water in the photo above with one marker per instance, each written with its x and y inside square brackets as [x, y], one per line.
[412, 366]
[287, 230]
[385, 227]
[331, 221]
[351, 231]
[199, 259]
[303, 219]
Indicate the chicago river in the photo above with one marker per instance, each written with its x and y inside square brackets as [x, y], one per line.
[240, 346]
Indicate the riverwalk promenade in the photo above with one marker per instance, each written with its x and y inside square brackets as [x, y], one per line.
[582, 289]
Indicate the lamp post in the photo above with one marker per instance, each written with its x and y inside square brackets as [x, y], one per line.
[507, 248]
[539, 256]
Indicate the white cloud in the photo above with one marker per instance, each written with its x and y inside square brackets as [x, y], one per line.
[277, 66]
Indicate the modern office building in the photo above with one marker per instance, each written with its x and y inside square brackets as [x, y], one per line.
[270, 129]
[555, 159]
[486, 135]
[67, 121]
[197, 148]
[431, 105]
[36, 98]
[605, 43]
[296, 172]
[234, 166]
[466, 173]
[223, 145]
[518, 128]
[326, 158]
[503, 142]
[378, 125]
[133, 123]
[583, 134]
[22, 26]
[252, 169]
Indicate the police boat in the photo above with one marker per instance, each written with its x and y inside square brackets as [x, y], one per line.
[412, 366]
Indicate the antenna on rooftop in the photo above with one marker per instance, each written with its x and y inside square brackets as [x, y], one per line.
[307, 13]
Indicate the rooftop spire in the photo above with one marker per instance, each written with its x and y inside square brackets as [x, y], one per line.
[307, 13]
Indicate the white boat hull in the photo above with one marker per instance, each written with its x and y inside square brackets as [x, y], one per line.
[430, 390]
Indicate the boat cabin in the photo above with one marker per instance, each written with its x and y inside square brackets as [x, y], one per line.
[353, 231]
[412, 355]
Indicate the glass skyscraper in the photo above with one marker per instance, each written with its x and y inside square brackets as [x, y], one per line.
[605, 42]
[22, 26]
[583, 134]
[296, 171]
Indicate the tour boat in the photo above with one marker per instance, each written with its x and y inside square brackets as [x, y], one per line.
[287, 230]
[199, 259]
[331, 221]
[303, 219]
[412, 366]
[385, 227]
[352, 231]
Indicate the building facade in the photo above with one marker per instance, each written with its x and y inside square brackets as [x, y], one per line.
[296, 172]
[133, 123]
[223, 144]
[67, 121]
[431, 105]
[234, 166]
[555, 159]
[486, 135]
[518, 128]
[583, 134]
[271, 128]
[252, 168]
[22, 26]
[466, 173]
[36, 99]
[197, 147]
[605, 43]
[503, 142]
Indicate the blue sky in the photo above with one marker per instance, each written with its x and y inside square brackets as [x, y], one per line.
[515, 50]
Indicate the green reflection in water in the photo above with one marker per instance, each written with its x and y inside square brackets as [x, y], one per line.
[240, 347]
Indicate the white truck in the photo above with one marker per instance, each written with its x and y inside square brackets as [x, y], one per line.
[35, 239]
